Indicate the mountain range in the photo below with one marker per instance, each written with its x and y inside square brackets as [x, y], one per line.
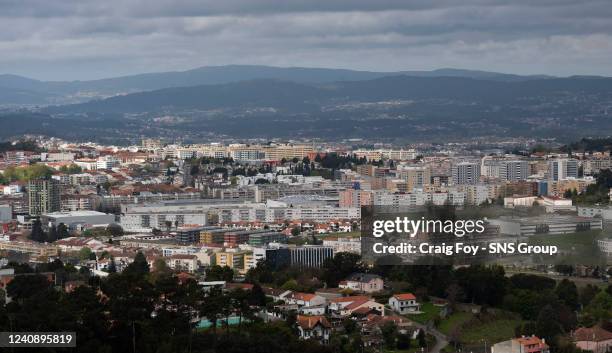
[20, 90]
[265, 102]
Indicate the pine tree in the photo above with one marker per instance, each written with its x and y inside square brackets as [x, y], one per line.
[62, 231]
[37, 233]
[52, 236]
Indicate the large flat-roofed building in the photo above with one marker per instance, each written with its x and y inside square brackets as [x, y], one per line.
[552, 224]
[595, 211]
[298, 256]
[146, 217]
[605, 246]
[142, 218]
[73, 219]
[32, 248]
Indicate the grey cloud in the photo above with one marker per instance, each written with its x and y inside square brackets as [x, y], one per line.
[86, 39]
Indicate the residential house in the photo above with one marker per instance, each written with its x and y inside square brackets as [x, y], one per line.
[183, 262]
[304, 299]
[404, 303]
[529, 344]
[346, 306]
[363, 282]
[595, 339]
[314, 327]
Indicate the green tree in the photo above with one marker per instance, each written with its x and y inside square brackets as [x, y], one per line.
[139, 267]
[340, 266]
[52, 236]
[421, 339]
[568, 293]
[218, 273]
[114, 230]
[62, 231]
[547, 324]
[26, 286]
[37, 233]
[86, 254]
[403, 341]
[389, 333]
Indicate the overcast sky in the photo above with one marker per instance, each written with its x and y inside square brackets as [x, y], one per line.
[86, 39]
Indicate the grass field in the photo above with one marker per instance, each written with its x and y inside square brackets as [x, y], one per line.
[473, 331]
[454, 320]
[430, 312]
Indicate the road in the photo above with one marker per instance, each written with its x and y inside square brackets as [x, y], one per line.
[441, 339]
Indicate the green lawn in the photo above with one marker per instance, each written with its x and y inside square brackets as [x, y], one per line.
[496, 331]
[456, 319]
[430, 312]
[492, 330]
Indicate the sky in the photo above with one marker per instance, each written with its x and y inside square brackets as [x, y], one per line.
[89, 39]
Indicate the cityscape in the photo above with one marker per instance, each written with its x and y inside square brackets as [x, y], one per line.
[275, 230]
[338, 176]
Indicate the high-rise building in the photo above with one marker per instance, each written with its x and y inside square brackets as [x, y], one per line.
[514, 170]
[43, 196]
[466, 173]
[563, 168]
[417, 177]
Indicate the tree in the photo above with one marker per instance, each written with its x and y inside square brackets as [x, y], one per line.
[389, 333]
[139, 267]
[421, 339]
[62, 231]
[295, 231]
[257, 296]
[403, 341]
[587, 293]
[114, 230]
[52, 236]
[37, 233]
[26, 286]
[600, 308]
[218, 273]
[86, 254]
[160, 270]
[340, 266]
[568, 293]
[547, 324]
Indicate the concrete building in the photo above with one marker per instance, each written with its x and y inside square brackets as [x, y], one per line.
[513, 170]
[553, 224]
[602, 212]
[465, 173]
[6, 213]
[562, 168]
[77, 219]
[43, 196]
[531, 344]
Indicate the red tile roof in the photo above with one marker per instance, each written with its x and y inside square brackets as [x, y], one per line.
[404, 296]
[309, 322]
[593, 334]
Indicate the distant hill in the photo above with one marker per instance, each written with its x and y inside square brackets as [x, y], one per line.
[54, 92]
[300, 97]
